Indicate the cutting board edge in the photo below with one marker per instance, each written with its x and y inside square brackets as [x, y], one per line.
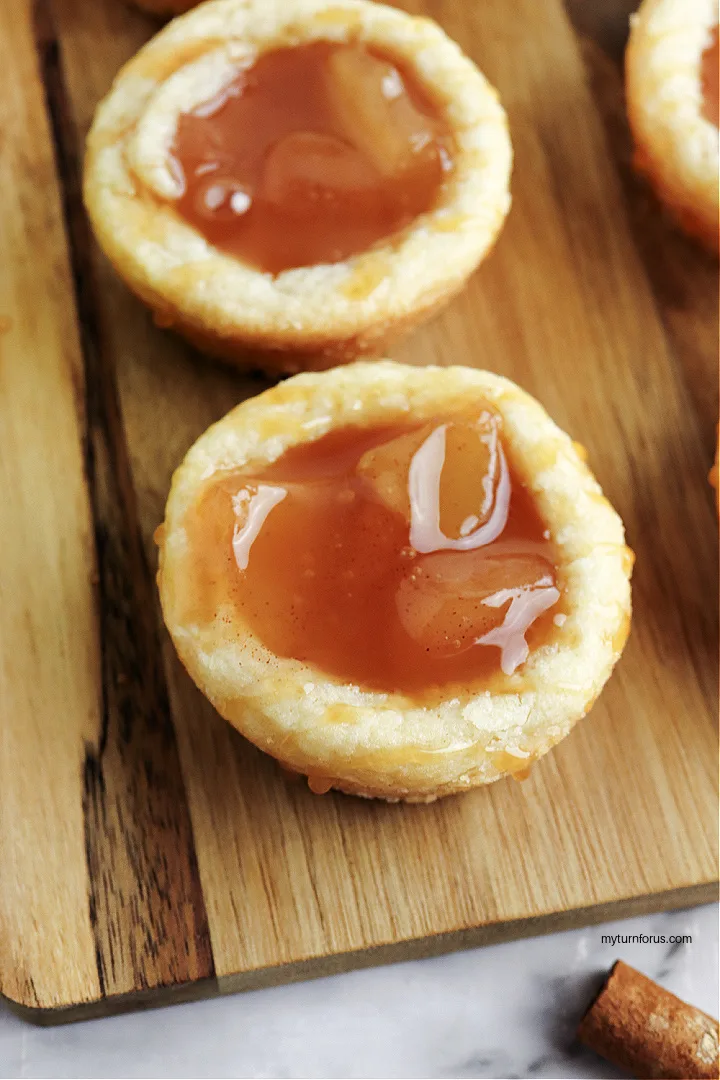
[374, 956]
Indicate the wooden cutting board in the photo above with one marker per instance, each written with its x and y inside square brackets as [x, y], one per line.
[147, 852]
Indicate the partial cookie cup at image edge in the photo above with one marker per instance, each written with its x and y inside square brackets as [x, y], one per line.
[389, 745]
[310, 316]
[676, 142]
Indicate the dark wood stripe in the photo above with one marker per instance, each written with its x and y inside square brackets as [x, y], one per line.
[146, 903]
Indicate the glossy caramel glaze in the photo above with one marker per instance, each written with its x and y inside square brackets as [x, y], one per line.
[312, 155]
[331, 578]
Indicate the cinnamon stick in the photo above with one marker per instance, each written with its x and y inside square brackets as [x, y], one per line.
[648, 1031]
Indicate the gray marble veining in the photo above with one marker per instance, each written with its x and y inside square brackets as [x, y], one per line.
[502, 1012]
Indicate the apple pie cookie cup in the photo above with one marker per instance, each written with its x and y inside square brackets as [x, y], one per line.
[309, 316]
[672, 93]
[396, 745]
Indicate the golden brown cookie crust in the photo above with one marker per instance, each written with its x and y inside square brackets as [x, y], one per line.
[676, 146]
[331, 313]
[390, 745]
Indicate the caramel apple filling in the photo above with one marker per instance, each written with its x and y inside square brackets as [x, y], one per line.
[314, 154]
[398, 559]
[710, 74]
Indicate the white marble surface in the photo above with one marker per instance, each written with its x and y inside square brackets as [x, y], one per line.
[503, 1011]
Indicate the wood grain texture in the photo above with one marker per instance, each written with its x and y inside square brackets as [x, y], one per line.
[50, 683]
[145, 901]
[682, 274]
[195, 866]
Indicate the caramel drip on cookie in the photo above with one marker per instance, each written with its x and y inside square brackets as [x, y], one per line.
[313, 155]
[401, 558]
[710, 76]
